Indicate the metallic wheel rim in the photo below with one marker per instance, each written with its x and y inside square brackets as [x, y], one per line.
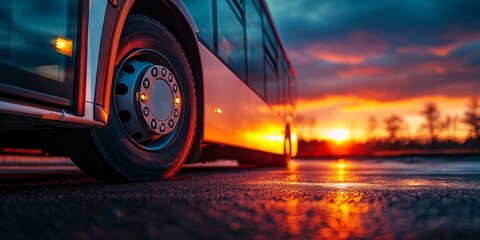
[148, 100]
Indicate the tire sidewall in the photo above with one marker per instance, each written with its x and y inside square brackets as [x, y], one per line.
[121, 151]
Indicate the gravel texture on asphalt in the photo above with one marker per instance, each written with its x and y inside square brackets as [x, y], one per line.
[330, 199]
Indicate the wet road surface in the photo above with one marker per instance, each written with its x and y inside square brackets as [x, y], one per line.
[329, 199]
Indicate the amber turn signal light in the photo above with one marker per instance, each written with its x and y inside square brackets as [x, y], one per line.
[64, 46]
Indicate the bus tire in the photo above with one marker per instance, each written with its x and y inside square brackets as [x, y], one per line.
[153, 109]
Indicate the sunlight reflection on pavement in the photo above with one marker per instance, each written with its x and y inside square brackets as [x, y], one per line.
[357, 202]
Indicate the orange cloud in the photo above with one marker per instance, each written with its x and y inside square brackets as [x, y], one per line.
[457, 40]
[442, 67]
[356, 49]
[445, 50]
[440, 70]
[439, 51]
[338, 58]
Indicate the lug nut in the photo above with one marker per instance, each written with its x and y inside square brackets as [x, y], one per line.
[175, 88]
[143, 98]
[170, 123]
[154, 72]
[162, 128]
[146, 112]
[154, 124]
[164, 72]
[175, 113]
[146, 83]
[170, 78]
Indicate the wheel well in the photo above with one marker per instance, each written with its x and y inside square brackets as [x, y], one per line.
[171, 17]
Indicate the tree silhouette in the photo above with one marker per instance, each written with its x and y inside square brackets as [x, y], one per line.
[372, 127]
[454, 127]
[447, 126]
[432, 120]
[393, 125]
[472, 117]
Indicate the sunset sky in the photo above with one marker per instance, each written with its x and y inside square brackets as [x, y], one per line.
[355, 59]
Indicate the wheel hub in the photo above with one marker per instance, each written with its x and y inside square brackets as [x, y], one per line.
[158, 98]
[147, 100]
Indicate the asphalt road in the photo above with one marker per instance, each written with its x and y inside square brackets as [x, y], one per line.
[330, 199]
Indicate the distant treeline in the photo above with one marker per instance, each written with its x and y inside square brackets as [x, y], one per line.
[317, 148]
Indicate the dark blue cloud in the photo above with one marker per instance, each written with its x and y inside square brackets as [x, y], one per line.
[400, 22]
[389, 49]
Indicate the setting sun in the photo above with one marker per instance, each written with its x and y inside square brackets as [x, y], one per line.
[338, 135]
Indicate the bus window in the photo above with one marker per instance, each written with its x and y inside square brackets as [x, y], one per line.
[256, 78]
[283, 90]
[270, 41]
[202, 13]
[231, 39]
[38, 45]
[272, 84]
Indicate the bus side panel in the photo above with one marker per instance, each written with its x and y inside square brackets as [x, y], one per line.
[234, 114]
[267, 129]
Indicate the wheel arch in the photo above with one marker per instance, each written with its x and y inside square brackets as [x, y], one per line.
[177, 19]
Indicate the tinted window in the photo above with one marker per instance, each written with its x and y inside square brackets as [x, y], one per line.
[28, 32]
[231, 40]
[255, 48]
[272, 84]
[202, 13]
[283, 91]
[270, 40]
[38, 42]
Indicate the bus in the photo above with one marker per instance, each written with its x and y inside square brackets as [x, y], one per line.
[131, 90]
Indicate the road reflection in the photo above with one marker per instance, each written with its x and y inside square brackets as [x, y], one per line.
[342, 212]
[343, 208]
[346, 199]
[329, 199]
